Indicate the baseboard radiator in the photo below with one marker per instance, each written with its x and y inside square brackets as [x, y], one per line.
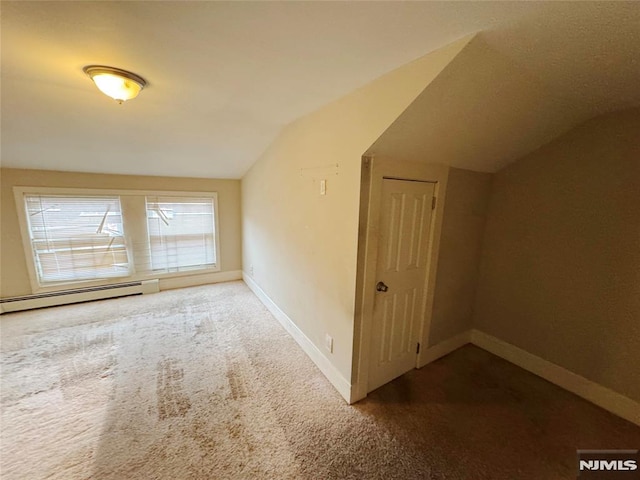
[64, 297]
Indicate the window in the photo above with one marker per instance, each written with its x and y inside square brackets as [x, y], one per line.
[181, 233]
[95, 237]
[76, 238]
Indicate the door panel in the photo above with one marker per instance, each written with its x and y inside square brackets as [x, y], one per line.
[401, 265]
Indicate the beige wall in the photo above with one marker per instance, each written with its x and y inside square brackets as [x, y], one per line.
[459, 253]
[14, 276]
[560, 268]
[300, 247]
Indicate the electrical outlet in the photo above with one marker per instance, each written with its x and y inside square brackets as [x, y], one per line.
[251, 270]
[328, 342]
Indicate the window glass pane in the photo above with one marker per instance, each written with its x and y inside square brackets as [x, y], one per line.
[76, 238]
[181, 233]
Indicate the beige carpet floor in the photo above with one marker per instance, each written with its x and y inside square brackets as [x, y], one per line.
[203, 383]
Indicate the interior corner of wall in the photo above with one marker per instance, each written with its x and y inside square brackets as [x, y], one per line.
[416, 77]
[467, 39]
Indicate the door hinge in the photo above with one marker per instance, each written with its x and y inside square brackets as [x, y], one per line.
[418, 348]
[433, 203]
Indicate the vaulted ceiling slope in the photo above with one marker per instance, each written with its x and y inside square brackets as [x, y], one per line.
[482, 112]
[494, 103]
[225, 77]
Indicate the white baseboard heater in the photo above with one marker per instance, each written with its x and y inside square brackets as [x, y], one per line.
[77, 295]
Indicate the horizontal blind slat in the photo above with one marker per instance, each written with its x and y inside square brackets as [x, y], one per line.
[181, 233]
[77, 237]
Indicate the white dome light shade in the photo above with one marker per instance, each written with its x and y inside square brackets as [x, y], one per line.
[116, 83]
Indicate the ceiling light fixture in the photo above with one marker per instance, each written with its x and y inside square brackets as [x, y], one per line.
[115, 83]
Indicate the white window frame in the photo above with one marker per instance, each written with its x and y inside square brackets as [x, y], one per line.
[20, 191]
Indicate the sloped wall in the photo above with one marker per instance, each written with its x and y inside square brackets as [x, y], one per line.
[299, 247]
[482, 112]
[560, 266]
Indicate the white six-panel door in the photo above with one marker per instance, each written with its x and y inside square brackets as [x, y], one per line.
[405, 224]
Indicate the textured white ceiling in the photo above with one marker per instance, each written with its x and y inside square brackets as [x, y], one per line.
[225, 77]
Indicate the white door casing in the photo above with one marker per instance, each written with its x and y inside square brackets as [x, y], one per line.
[405, 222]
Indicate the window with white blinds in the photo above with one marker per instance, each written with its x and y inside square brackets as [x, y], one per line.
[181, 233]
[76, 238]
[97, 236]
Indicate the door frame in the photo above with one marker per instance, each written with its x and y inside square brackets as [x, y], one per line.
[374, 170]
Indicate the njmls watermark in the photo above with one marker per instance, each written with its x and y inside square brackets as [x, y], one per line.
[608, 464]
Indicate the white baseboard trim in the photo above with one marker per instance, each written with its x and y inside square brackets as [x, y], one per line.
[202, 279]
[603, 397]
[443, 348]
[326, 367]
